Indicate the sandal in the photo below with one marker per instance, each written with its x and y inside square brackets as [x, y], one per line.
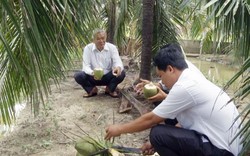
[91, 94]
[112, 94]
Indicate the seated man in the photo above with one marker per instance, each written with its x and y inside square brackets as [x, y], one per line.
[208, 122]
[104, 55]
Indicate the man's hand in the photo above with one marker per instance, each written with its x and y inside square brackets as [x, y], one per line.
[161, 95]
[147, 148]
[139, 87]
[112, 131]
[116, 71]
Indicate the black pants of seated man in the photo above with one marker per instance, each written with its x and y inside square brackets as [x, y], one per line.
[169, 140]
[88, 82]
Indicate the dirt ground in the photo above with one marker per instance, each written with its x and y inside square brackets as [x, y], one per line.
[66, 115]
[55, 130]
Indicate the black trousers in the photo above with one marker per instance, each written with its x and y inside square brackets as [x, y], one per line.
[169, 140]
[88, 82]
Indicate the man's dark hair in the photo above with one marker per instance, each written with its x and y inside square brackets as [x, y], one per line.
[170, 54]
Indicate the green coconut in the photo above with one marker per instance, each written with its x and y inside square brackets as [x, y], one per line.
[150, 90]
[85, 147]
[98, 73]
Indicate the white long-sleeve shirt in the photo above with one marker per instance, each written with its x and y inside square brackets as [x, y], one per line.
[106, 59]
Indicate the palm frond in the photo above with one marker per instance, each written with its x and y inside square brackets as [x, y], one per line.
[165, 17]
[37, 43]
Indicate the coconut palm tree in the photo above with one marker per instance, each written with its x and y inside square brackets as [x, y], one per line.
[147, 38]
[158, 29]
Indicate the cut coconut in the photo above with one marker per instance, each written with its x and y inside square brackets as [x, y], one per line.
[98, 73]
[150, 90]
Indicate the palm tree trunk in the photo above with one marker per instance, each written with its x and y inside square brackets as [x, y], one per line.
[147, 37]
[111, 21]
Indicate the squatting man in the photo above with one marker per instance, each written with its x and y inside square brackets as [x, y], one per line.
[206, 119]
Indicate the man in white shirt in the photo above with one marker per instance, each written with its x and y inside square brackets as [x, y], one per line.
[208, 123]
[104, 55]
[162, 94]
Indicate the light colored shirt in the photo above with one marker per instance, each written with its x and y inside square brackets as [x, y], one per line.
[106, 59]
[200, 105]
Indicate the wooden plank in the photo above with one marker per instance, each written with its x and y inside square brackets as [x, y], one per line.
[142, 108]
